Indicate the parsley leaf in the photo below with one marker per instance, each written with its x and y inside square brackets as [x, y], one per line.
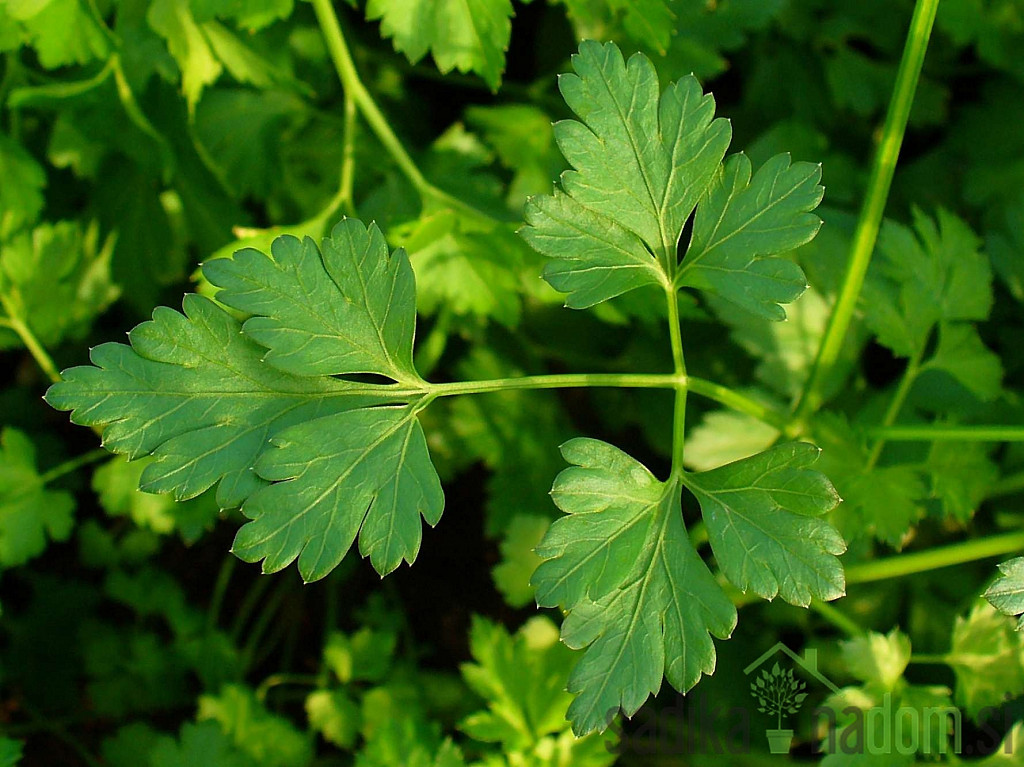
[639, 597]
[366, 471]
[742, 222]
[1006, 594]
[763, 519]
[29, 513]
[642, 162]
[468, 35]
[987, 656]
[21, 196]
[348, 308]
[213, 406]
[56, 278]
[923, 276]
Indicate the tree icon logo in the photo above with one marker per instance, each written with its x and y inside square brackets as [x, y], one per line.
[778, 694]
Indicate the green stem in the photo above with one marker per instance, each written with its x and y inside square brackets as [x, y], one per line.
[933, 559]
[348, 157]
[679, 365]
[837, 618]
[929, 658]
[430, 351]
[227, 568]
[14, 321]
[1007, 486]
[262, 623]
[877, 194]
[138, 117]
[276, 680]
[736, 401]
[379, 124]
[893, 411]
[248, 606]
[60, 732]
[713, 391]
[948, 433]
[561, 381]
[72, 465]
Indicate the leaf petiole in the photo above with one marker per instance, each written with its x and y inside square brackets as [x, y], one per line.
[882, 170]
[28, 338]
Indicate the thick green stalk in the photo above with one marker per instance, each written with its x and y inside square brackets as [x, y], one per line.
[939, 433]
[877, 194]
[933, 559]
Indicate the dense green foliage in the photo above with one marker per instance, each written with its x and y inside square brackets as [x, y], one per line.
[851, 445]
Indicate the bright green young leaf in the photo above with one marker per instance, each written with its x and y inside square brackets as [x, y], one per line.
[743, 222]
[203, 743]
[213, 406]
[268, 738]
[465, 271]
[763, 516]
[188, 44]
[878, 659]
[467, 35]
[251, 15]
[364, 656]
[10, 751]
[63, 32]
[522, 678]
[987, 656]
[638, 596]
[117, 484]
[1006, 594]
[959, 477]
[334, 715]
[29, 512]
[524, 141]
[867, 738]
[883, 501]
[56, 279]
[21, 195]
[724, 436]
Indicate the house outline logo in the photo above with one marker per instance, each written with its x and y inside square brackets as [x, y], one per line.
[788, 691]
